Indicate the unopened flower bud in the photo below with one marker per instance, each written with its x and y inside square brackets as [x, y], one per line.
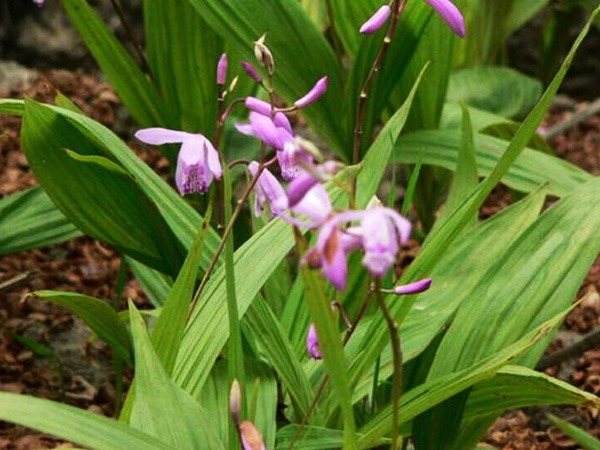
[235, 401]
[251, 438]
[413, 288]
[222, 70]
[314, 94]
[376, 21]
[233, 83]
[264, 55]
[449, 14]
[251, 71]
[312, 343]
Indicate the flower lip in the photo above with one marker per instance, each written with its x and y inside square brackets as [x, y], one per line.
[376, 21]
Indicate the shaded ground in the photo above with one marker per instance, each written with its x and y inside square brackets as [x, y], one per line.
[77, 369]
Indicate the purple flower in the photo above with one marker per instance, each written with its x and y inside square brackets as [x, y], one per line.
[198, 161]
[251, 71]
[306, 180]
[381, 229]
[315, 205]
[312, 343]
[314, 94]
[450, 14]
[264, 128]
[412, 288]
[264, 108]
[222, 70]
[268, 190]
[376, 21]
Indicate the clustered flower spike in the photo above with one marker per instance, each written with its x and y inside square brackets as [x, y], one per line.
[376, 21]
[450, 14]
[198, 161]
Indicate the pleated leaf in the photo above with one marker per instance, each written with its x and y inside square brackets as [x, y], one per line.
[73, 424]
[30, 220]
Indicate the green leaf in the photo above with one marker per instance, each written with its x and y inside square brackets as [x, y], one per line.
[97, 314]
[181, 217]
[530, 170]
[170, 325]
[302, 55]
[380, 151]
[434, 309]
[499, 90]
[156, 285]
[313, 438]
[262, 327]
[82, 427]
[182, 52]
[29, 220]
[583, 438]
[136, 91]
[104, 203]
[347, 18]
[433, 392]
[161, 408]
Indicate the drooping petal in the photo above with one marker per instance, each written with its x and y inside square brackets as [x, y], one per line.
[192, 174]
[212, 159]
[450, 14]
[312, 343]
[413, 288]
[314, 94]
[159, 136]
[376, 21]
[268, 190]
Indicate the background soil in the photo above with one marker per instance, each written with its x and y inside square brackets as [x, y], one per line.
[47, 352]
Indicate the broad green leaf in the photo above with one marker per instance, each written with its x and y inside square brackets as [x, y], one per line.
[313, 438]
[136, 91]
[514, 387]
[520, 13]
[582, 437]
[530, 170]
[437, 242]
[160, 408]
[302, 55]
[434, 309]
[29, 220]
[431, 393]
[452, 117]
[97, 314]
[104, 203]
[263, 329]
[170, 325]
[180, 216]
[182, 52]
[11, 106]
[499, 90]
[347, 17]
[381, 150]
[156, 285]
[336, 366]
[82, 427]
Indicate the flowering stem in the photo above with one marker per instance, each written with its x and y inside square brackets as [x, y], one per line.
[368, 84]
[397, 354]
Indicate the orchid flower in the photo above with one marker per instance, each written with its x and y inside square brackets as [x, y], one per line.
[314, 94]
[268, 190]
[198, 161]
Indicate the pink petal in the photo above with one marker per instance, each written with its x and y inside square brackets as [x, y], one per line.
[376, 21]
[159, 136]
[450, 14]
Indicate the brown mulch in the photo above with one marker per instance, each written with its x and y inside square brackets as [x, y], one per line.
[82, 374]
